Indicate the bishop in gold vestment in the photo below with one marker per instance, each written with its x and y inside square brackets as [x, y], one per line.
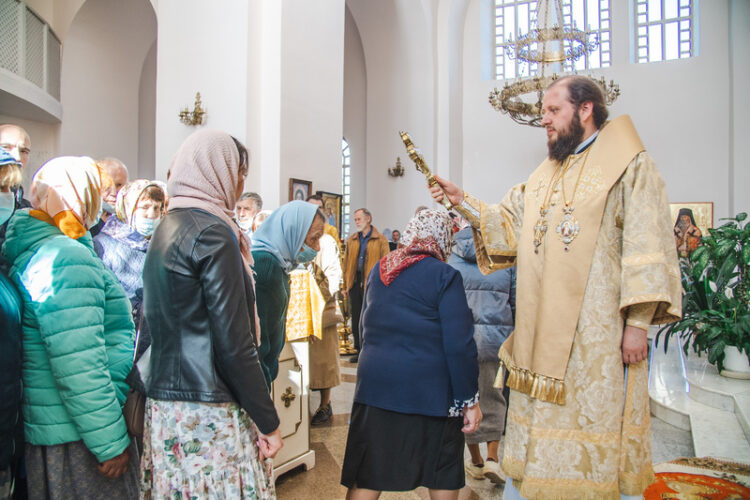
[591, 234]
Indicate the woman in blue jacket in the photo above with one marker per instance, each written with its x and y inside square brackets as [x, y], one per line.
[11, 423]
[492, 300]
[416, 386]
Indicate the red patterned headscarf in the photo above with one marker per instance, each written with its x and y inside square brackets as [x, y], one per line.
[428, 234]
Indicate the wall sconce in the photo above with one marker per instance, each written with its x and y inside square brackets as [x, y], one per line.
[398, 171]
[196, 116]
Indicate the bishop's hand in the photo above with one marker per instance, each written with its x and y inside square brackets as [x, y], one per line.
[634, 345]
[454, 193]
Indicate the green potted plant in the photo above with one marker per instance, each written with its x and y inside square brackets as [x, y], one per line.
[715, 315]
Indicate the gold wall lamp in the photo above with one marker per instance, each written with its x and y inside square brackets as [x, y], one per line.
[398, 170]
[196, 116]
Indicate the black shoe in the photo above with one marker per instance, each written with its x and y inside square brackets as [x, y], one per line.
[322, 415]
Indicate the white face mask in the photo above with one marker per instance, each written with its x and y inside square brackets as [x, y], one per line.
[7, 206]
[245, 224]
[146, 226]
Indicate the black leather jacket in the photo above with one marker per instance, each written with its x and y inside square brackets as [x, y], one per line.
[198, 303]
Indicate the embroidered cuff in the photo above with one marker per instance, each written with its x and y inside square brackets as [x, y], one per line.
[458, 406]
[640, 315]
[469, 212]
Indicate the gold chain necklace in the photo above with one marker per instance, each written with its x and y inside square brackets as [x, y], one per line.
[569, 228]
[540, 228]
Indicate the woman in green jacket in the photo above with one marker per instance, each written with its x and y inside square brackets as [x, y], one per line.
[77, 339]
[291, 235]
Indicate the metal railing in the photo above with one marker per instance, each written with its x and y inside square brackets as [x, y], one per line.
[28, 47]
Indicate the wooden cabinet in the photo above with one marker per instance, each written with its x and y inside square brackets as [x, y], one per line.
[291, 394]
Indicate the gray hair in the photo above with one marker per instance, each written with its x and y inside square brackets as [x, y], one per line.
[257, 200]
[364, 211]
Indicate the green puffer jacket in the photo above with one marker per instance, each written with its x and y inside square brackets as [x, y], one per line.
[78, 337]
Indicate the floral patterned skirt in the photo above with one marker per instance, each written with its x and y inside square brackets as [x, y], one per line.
[202, 450]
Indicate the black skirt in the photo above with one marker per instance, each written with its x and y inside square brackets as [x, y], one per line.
[390, 451]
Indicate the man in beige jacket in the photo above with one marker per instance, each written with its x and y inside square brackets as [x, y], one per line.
[363, 250]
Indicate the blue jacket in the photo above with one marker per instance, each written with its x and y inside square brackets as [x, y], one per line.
[418, 352]
[11, 388]
[123, 251]
[492, 298]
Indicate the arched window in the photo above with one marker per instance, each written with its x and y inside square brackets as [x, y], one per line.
[346, 185]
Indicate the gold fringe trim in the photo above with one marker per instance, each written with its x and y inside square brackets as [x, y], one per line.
[537, 386]
[636, 484]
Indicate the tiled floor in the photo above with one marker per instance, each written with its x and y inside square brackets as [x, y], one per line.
[329, 441]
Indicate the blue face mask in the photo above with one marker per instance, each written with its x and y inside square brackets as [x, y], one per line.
[145, 226]
[7, 206]
[307, 254]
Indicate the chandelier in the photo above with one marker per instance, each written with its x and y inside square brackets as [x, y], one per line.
[549, 46]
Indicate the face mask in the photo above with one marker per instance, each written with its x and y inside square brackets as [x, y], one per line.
[145, 226]
[7, 206]
[245, 224]
[97, 218]
[307, 254]
[107, 207]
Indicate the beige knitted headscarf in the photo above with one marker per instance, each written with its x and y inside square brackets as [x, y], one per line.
[204, 174]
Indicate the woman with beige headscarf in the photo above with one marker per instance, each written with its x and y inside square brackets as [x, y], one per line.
[211, 427]
[77, 340]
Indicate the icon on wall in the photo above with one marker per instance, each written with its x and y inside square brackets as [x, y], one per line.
[299, 189]
[691, 222]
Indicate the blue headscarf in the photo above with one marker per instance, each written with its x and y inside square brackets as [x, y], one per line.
[284, 232]
[7, 158]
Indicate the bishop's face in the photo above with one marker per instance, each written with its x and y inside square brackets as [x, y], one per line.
[560, 119]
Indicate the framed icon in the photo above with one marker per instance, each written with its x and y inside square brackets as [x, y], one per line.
[299, 189]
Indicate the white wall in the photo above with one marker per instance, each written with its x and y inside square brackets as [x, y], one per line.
[58, 13]
[355, 113]
[146, 168]
[212, 62]
[312, 93]
[681, 110]
[739, 106]
[102, 63]
[398, 48]
[44, 146]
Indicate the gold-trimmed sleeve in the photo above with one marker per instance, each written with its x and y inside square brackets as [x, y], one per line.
[641, 314]
[650, 271]
[497, 229]
[470, 210]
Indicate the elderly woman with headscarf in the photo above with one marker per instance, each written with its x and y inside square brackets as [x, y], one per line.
[417, 376]
[123, 241]
[290, 236]
[77, 340]
[211, 428]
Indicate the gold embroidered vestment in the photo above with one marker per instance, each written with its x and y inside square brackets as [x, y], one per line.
[571, 433]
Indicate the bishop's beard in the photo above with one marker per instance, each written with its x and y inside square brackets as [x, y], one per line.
[567, 140]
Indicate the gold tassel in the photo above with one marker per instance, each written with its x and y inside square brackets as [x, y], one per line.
[499, 377]
[535, 385]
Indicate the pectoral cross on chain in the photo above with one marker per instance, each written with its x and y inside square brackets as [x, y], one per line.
[539, 187]
[540, 229]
